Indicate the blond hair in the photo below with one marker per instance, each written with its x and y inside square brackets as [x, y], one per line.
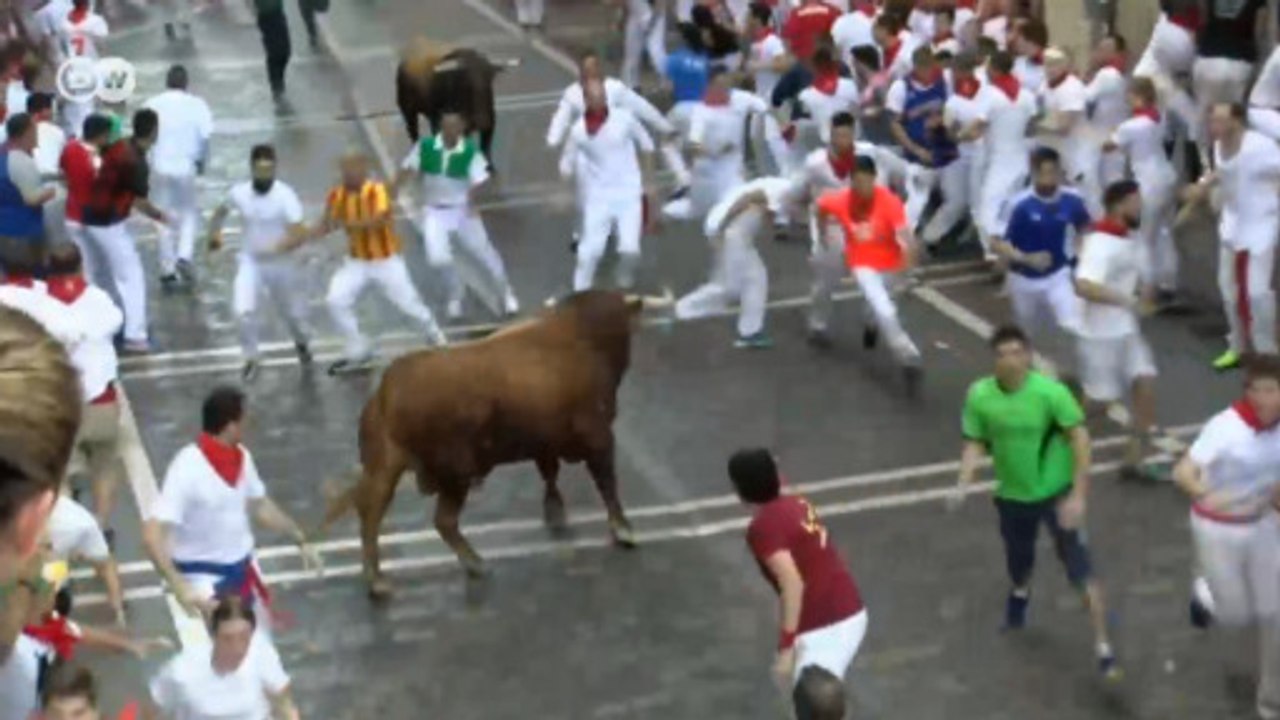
[40, 405]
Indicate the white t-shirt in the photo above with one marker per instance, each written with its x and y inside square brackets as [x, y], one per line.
[852, 30]
[1069, 96]
[1250, 185]
[267, 216]
[74, 533]
[718, 131]
[1241, 465]
[920, 23]
[186, 124]
[81, 38]
[187, 688]
[1114, 263]
[209, 518]
[50, 16]
[608, 162]
[778, 193]
[1030, 74]
[1141, 139]
[997, 28]
[50, 140]
[442, 191]
[1107, 93]
[961, 112]
[18, 676]
[95, 357]
[1266, 90]
[766, 50]
[1007, 121]
[822, 107]
[52, 315]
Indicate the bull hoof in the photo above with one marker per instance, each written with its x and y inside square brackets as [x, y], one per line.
[476, 569]
[623, 536]
[380, 588]
[555, 517]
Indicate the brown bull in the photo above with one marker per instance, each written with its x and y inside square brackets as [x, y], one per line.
[433, 77]
[543, 390]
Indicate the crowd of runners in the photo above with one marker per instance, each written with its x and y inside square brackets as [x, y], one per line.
[887, 134]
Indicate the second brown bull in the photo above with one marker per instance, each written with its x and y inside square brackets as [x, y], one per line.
[543, 390]
[433, 78]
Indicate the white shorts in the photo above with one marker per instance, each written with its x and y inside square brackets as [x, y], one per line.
[833, 647]
[1108, 366]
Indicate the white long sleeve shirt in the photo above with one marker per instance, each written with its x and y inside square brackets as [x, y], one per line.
[186, 124]
[617, 95]
[607, 161]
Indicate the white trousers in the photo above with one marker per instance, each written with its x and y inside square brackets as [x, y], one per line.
[602, 216]
[529, 12]
[391, 277]
[77, 234]
[1110, 365]
[1242, 566]
[1005, 176]
[672, 155]
[737, 274]
[116, 246]
[1244, 278]
[833, 647]
[1159, 198]
[1265, 121]
[441, 224]
[176, 194]
[1044, 302]
[73, 116]
[280, 278]
[950, 181]
[646, 31]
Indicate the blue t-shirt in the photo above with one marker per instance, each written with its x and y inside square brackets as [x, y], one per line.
[687, 70]
[1039, 224]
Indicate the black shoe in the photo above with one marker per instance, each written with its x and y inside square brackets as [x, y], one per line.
[1015, 611]
[250, 371]
[870, 336]
[169, 32]
[820, 339]
[347, 366]
[170, 282]
[1200, 615]
[110, 536]
[913, 376]
[678, 194]
[304, 353]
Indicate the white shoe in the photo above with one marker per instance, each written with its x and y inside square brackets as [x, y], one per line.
[453, 310]
[510, 304]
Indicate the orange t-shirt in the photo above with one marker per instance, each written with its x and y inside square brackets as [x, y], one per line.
[870, 227]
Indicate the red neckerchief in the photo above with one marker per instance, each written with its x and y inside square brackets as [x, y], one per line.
[67, 288]
[1108, 226]
[78, 14]
[1249, 415]
[227, 460]
[1008, 84]
[1188, 19]
[56, 632]
[21, 281]
[967, 87]
[826, 81]
[866, 8]
[1119, 62]
[891, 52]
[1148, 112]
[842, 165]
[595, 119]
[762, 34]
[715, 97]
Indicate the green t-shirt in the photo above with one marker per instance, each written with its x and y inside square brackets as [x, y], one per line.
[1024, 431]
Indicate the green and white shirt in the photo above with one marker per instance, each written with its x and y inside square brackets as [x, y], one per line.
[448, 174]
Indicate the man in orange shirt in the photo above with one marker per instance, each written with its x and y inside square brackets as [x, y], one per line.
[879, 247]
[362, 207]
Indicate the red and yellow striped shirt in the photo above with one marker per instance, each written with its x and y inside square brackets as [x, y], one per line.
[372, 199]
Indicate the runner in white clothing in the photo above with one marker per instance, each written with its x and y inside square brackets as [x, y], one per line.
[612, 152]
[79, 30]
[1007, 111]
[198, 533]
[645, 31]
[273, 229]
[1063, 124]
[1232, 474]
[180, 153]
[854, 29]
[963, 115]
[1107, 94]
[829, 94]
[74, 536]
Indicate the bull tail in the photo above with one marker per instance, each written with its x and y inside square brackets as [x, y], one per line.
[339, 499]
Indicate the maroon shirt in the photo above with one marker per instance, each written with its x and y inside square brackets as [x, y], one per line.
[790, 523]
[121, 179]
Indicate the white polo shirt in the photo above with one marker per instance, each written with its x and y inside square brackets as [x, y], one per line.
[187, 688]
[1029, 73]
[186, 124]
[778, 193]
[441, 191]
[717, 127]
[209, 519]
[95, 357]
[607, 163]
[1250, 185]
[1115, 263]
[819, 176]
[267, 216]
[74, 533]
[1240, 464]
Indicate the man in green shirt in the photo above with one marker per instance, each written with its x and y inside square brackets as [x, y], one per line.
[1033, 428]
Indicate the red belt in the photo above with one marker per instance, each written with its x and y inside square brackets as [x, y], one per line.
[107, 396]
[1224, 518]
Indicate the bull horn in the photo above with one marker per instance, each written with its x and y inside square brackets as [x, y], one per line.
[506, 63]
[654, 302]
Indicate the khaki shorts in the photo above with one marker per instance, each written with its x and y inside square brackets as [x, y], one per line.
[97, 444]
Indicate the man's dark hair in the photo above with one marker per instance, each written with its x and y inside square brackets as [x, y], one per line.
[986, 46]
[66, 682]
[966, 62]
[231, 607]
[1261, 366]
[1118, 192]
[818, 695]
[145, 123]
[18, 125]
[754, 475]
[1034, 31]
[922, 55]
[843, 119]
[865, 165]
[702, 16]
[176, 78]
[65, 259]
[946, 12]
[762, 12]
[1238, 111]
[1006, 334]
[222, 407]
[889, 23]
[867, 56]
[96, 126]
[38, 102]
[262, 152]
[1045, 155]
[1002, 62]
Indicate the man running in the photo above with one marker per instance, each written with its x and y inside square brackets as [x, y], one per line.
[362, 207]
[1232, 474]
[1064, 123]
[1007, 111]
[823, 620]
[1034, 430]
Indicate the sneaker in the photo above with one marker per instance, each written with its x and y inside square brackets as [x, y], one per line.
[820, 339]
[678, 194]
[1201, 617]
[453, 310]
[870, 337]
[304, 353]
[347, 366]
[186, 272]
[1015, 611]
[755, 341]
[1108, 668]
[169, 282]
[510, 305]
[1138, 474]
[250, 371]
[1229, 360]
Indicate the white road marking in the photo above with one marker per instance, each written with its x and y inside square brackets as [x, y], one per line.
[667, 510]
[515, 551]
[547, 50]
[395, 343]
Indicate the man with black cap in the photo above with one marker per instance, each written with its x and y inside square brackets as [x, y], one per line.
[823, 620]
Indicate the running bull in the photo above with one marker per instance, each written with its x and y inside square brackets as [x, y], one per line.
[543, 390]
[432, 78]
